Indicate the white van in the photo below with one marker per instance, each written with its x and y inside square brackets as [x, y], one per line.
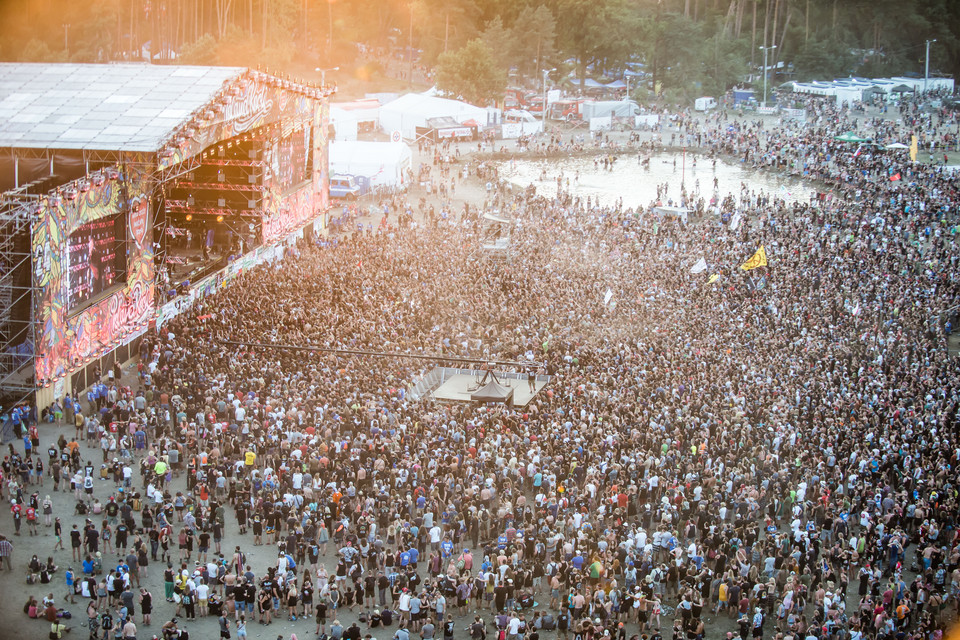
[705, 104]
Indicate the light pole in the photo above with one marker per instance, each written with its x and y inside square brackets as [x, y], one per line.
[323, 74]
[926, 66]
[765, 49]
[546, 72]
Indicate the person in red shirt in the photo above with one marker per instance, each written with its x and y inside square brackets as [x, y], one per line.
[31, 520]
[202, 492]
[17, 512]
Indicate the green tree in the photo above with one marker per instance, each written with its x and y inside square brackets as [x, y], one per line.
[534, 34]
[202, 52]
[499, 39]
[37, 51]
[821, 59]
[598, 32]
[471, 73]
[444, 25]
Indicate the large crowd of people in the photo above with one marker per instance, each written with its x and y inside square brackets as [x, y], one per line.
[770, 453]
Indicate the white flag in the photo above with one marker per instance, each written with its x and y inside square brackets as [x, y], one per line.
[735, 222]
[607, 297]
[700, 267]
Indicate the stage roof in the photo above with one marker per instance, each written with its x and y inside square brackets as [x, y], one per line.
[101, 107]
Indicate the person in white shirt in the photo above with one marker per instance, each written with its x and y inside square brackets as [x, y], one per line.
[513, 628]
[203, 593]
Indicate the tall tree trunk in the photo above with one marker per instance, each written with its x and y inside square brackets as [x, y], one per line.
[783, 36]
[806, 24]
[764, 59]
[753, 38]
[686, 8]
[834, 19]
[739, 28]
[728, 21]
[773, 25]
[766, 22]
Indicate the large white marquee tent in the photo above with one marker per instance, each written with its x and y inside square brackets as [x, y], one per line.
[410, 111]
[383, 163]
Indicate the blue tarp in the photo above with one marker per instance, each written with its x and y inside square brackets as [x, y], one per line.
[589, 83]
[742, 95]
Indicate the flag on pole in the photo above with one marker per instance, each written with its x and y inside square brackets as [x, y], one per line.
[607, 297]
[895, 177]
[859, 150]
[700, 267]
[735, 221]
[759, 259]
[713, 278]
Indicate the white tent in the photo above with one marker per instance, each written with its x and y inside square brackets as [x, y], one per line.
[347, 116]
[410, 111]
[382, 163]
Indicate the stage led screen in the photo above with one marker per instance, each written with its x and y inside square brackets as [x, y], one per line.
[97, 259]
[288, 160]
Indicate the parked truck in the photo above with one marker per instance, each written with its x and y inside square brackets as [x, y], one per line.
[615, 108]
[345, 187]
[705, 103]
[567, 110]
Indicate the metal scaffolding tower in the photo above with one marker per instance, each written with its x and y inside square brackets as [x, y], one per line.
[17, 321]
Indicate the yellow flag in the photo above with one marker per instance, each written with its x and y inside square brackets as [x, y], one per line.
[759, 259]
[913, 148]
[713, 278]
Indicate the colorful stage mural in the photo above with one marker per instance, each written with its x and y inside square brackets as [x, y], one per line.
[284, 213]
[67, 341]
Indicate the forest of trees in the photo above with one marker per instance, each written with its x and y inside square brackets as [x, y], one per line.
[686, 46]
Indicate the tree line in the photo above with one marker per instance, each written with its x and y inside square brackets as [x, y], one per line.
[683, 47]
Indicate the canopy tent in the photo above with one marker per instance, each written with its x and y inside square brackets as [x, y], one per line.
[412, 110]
[589, 83]
[348, 117]
[896, 145]
[382, 163]
[493, 392]
[901, 88]
[849, 136]
[616, 84]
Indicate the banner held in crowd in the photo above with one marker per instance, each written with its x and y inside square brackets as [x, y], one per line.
[759, 259]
